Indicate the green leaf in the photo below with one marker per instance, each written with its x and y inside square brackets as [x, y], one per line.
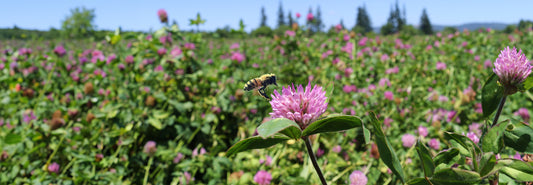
[332, 123]
[463, 142]
[491, 93]
[418, 181]
[386, 152]
[455, 176]
[427, 162]
[255, 142]
[446, 157]
[155, 123]
[516, 169]
[528, 83]
[329, 90]
[487, 164]
[519, 136]
[279, 125]
[13, 138]
[493, 139]
[366, 134]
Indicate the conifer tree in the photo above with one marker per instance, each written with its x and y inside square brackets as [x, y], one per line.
[425, 24]
[281, 17]
[289, 17]
[263, 17]
[362, 21]
[318, 23]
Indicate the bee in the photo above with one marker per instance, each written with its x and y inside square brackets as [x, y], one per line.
[260, 84]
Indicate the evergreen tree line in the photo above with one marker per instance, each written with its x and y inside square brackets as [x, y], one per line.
[396, 23]
[79, 24]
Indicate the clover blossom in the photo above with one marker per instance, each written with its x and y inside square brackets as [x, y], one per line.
[301, 106]
[512, 68]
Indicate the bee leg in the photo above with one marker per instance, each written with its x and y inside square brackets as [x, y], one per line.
[262, 93]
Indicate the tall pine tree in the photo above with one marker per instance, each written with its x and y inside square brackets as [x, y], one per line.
[289, 17]
[263, 17]
[396, 21]
[425, 24]
[281, 17]
[362, 22]
[319, 25]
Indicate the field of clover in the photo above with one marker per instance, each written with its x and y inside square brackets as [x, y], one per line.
[168, 107]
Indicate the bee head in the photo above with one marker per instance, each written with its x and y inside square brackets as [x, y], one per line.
[274, 80]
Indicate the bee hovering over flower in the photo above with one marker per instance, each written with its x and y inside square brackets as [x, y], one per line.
[261, 83]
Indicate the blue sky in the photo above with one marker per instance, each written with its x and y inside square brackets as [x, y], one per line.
[142, 15]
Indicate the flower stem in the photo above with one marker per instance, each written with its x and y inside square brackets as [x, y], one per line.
[313, 160]
[499, 111]
[147, 170]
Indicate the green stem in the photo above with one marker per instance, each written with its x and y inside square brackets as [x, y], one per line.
[147, 168]
[499, 111]
[313, 160]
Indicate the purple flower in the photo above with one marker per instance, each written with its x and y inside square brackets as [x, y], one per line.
[441, 66]
[387, 121]
[262, 177]
[517, 156]
[358, 178]
[129, 59]
[310, 16]
[175, 52]
[524, 113]
[473, 137]
[434, 143]
[178, 158]
[319, 152]
[189, 46]
[162, 14]
[303, 107]
[512, 68]
[290, 33]
[336, 149]
[267, 161]
[53, 168]
[237, 56]
[388, 95]
[298, 15]
[408, 140]
[28, 116]
[475, 127]
[422, 131]
[162, 51]
[158, 68]
[150, 148]
[59, 51]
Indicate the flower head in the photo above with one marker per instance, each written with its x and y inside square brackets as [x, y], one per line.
[524, 113]
[163, 17]
[512, 68]
[301, 106]
[59, 51]
[358, 178]
[408, 140]
[150, 147]
[53, 168]
[262, 177]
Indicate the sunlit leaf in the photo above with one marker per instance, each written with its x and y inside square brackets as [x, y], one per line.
[491, 93]
[279, 125]
[386, 152]
[333, 123]
[255, 142]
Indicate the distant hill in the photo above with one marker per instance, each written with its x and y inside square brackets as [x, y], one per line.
[474, 26]
[461, 27]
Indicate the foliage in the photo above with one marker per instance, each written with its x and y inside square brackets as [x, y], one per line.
[395, 22]
[425, 24]
[92, 110]
[362, 21]
[79, 23]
